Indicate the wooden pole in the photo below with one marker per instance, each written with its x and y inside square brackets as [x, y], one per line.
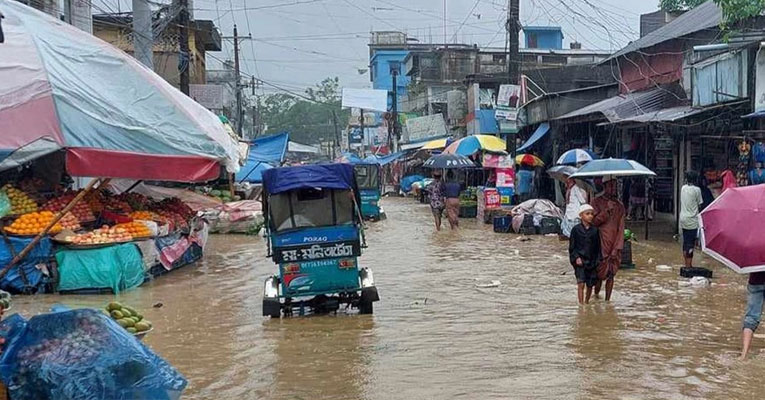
[23, 253]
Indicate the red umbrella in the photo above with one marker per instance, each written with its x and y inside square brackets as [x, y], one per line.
[731, 229]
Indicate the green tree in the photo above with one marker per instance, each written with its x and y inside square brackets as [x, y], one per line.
[733, 10]
[308, 117]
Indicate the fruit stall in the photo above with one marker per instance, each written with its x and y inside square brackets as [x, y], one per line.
[91, 240]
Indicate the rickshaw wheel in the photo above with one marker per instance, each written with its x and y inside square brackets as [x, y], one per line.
[366, 307]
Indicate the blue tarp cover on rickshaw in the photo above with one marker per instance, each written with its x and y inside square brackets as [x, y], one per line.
[324, 176]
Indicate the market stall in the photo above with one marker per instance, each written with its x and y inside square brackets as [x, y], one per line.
[94, 115]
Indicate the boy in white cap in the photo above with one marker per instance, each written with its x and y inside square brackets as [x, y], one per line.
[584, 252]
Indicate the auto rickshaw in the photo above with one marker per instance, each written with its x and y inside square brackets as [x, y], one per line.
[315, 235]
[369, 182]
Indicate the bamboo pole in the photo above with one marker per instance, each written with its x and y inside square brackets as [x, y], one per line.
[23, 253]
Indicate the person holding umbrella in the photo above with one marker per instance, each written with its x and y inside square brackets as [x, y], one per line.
[437, 188]
[609, 219]
[437, 198]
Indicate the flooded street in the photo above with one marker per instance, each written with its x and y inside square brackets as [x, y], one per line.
[436, 335]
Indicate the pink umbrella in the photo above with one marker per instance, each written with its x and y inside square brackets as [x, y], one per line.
[731, 229]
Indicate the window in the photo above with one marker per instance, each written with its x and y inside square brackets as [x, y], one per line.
[720, 79]
[310, 208]
[367, 176]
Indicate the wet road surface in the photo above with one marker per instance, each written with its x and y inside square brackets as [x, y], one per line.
[438, 334]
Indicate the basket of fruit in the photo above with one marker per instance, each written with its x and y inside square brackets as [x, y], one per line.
[102, 237]
[31, 224]
[129, 318]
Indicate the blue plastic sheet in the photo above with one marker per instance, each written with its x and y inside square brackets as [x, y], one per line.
[14, 281]
[269, 149]
[323, 176]
[84, 355]
[407, 181]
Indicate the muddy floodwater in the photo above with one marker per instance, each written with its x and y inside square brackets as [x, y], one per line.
[439, 333]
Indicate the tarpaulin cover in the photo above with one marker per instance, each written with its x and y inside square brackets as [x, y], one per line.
[253, 173]
[84, 355]
[407, 181]
[541, 131]
[62, 88]
[382, 160]
[118, 267]
[325, 176]
[41, 253]
[268, 149]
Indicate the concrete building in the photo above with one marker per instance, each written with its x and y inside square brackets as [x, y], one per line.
[203, 37]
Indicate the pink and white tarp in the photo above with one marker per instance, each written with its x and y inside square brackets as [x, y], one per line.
[62, 88]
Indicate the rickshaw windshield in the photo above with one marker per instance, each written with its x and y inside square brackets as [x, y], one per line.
[367, 176]
[304, 208]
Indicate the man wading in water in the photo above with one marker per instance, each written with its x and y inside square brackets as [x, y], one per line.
[437, 198]
[609, 219]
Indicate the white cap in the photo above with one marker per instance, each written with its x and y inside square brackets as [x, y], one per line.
[584, 208]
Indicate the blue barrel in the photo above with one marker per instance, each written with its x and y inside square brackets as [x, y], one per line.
[502, 224]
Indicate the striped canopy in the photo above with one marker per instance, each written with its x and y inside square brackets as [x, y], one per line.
[64, 89]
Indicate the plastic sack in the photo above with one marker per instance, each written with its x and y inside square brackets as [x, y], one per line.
[81, 354]
[5, 204]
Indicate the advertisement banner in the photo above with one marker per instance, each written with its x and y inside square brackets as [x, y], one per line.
[505, 177]
[429, 126]
[368, 99]
[497, 161]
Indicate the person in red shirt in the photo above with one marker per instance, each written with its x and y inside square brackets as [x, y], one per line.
[756, 289]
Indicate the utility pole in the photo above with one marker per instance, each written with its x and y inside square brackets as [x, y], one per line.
[143, 42]
[513, 27]
[184, 62]
[238, 89]
[237, 76]
[361, 122]
[337, 132]
[393, 127]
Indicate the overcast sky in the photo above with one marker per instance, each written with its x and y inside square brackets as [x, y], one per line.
[297, 43]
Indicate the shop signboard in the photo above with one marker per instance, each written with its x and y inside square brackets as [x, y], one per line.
[497, 161]
[505, 177]
[368, 99]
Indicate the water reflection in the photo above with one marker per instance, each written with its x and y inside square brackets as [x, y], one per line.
[321, 357]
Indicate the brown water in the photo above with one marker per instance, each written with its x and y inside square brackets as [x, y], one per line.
[436, 335]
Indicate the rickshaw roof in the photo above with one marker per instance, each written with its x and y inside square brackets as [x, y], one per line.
[323, 176]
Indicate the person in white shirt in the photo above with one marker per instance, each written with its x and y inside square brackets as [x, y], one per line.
[575, 198]
[690, 200]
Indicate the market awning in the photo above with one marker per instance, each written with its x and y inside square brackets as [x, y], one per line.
[676, 113]
[631, 105]
[541, 131]
[64, 89]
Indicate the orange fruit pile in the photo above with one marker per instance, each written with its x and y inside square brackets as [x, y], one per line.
[33, 223]
[135, 229]
[144, 215]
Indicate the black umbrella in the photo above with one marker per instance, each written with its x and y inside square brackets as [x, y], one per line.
[448, 161]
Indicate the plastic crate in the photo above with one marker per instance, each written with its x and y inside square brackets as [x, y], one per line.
[549, 225]
[690, 272]
[468, 211]
[502, 224]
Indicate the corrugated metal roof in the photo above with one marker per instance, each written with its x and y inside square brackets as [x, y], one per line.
[623, 107]
[702, 17]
